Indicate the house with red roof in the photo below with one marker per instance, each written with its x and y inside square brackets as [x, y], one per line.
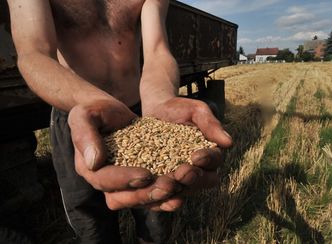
[316, 47]
[263, 53]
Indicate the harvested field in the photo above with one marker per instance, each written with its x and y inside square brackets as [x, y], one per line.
[275, 182]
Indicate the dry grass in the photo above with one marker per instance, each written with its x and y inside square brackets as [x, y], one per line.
[276, 181]
[277, 185]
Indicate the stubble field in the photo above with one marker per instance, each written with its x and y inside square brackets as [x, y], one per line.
[275, 182]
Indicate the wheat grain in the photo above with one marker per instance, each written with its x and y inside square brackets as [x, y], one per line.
[156, 145]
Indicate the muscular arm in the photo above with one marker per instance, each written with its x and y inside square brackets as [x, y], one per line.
[36, 44]
[160, 77]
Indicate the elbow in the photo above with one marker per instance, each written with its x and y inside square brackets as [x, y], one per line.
[29, 58]
[24, 62]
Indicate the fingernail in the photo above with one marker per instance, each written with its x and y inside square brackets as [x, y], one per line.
[90, 156]
[167, 207]
[199, 159]
[191, 177]
[178, 188]
[228, 135]
[141, 182]
[158, 194]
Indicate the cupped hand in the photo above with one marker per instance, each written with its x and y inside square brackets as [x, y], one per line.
[203, 172]
[123, 187]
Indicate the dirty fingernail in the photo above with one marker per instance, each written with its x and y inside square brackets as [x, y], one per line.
[199, 159]
[190, 178]
[158, 194]
[141, 182]
[178, 188]
[90, 156]
[167, 207]
[228, 135]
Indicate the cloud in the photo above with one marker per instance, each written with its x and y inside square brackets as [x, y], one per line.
[298, 16]
[299, 36]
[223, 8]
[306, 18]
[244, 41]
[308, 35]
[268, 39]
[321, 24]
[290, 41]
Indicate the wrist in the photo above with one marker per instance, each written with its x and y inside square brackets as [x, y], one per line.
[151, 104]
[153, 94]
[92, 96]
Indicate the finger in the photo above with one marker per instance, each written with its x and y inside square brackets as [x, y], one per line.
[163, 188]
[195, 178]
[209, 179]
[210, 126]
[208, 159]
[187, 174]
[86, 137]
[169, 205]
[113, 178]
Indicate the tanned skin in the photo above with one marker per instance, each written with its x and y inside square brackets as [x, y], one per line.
[83, 57]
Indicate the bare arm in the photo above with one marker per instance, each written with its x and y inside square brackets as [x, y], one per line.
[158, 89]
[36, 43]
[160, 77]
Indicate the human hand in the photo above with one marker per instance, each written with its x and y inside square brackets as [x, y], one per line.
[122, 186]
[203, 172]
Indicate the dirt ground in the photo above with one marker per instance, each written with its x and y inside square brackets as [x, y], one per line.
[275, 182]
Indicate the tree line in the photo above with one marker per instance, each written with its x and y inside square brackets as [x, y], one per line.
[301, 56]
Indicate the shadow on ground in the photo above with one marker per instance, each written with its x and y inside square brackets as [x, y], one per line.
[238, 209]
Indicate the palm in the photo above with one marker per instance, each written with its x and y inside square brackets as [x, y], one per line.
[205, 162]
[194, 112]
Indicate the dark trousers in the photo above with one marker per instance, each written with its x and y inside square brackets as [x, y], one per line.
[85, 207]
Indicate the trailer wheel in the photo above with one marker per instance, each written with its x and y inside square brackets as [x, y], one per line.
[8, 236]
[215, 97]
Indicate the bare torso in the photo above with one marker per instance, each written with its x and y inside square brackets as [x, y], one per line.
[100, 41]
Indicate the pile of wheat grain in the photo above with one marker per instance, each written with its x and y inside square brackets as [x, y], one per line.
[156, 145]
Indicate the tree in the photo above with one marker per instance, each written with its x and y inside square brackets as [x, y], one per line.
[240, 51]
[299, 55]
[286, 55]
[328, 49]
[315, 38]
[308, 56]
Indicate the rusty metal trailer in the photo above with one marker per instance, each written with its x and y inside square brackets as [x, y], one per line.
[199, 41]
[201, 44]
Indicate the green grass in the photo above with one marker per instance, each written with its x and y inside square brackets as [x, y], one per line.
[291, 107]
[319, 94]
[329, 179]
[324, 114]
[325, 136]
[272, 173]
[277, 142]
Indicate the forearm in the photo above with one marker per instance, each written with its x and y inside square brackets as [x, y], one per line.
[159, 82]
[55, 84]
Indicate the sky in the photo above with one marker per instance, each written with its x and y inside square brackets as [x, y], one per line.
[272, 23]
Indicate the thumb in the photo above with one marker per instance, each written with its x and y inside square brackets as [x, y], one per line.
[211, 128]
[87, 139]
